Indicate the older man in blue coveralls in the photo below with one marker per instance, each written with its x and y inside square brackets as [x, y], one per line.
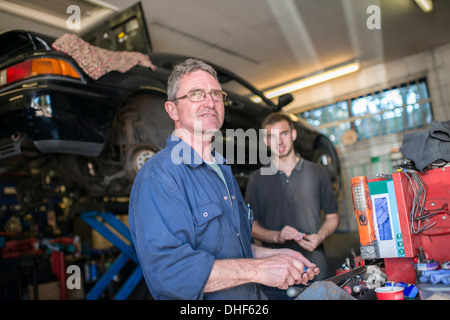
[189, 223]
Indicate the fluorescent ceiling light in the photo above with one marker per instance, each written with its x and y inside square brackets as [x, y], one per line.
[103, 4]
[311, 80]
[425, 5]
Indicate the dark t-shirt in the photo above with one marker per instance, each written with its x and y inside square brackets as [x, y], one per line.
[297, 201]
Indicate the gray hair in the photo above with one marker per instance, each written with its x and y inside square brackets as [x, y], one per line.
[188, 66]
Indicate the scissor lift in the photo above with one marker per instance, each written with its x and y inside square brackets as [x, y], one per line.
[127, 253]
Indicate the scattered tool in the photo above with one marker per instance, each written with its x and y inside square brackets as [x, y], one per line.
[318, 288]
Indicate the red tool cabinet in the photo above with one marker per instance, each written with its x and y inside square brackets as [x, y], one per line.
[420, 208]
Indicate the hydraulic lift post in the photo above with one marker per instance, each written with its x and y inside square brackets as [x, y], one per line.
[128, 253]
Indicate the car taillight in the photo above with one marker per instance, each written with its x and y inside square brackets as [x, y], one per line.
[35, 67]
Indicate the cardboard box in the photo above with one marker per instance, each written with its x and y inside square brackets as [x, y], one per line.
[46, 291]
[99, 242]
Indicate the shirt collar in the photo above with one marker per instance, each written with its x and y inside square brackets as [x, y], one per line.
[183, 152]
[299, 165]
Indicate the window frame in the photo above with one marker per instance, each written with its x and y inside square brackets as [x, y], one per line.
[351, 120]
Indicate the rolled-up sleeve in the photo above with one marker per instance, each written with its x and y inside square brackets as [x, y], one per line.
[163, 233]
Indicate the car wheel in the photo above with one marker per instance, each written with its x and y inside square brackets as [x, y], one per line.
[322, 157]
[136, 156]
[325, 159]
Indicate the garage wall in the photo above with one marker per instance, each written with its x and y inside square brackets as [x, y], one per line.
[434, 64]
[379, 154]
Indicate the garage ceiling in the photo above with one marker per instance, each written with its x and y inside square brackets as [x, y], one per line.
[267, 42]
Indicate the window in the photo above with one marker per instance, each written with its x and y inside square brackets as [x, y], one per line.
[397, 109]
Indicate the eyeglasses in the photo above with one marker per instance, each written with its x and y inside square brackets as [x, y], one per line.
[200, 95]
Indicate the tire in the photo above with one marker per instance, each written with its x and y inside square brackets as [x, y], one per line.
[136, 157]
[324, 158]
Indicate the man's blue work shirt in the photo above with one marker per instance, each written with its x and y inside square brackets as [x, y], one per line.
[182, 217]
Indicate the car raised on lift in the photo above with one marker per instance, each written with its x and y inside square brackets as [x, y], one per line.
[62, 132]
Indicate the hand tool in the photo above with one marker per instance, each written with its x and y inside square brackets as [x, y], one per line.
[343, 277]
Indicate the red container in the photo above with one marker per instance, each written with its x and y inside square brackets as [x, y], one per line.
[389, 293]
